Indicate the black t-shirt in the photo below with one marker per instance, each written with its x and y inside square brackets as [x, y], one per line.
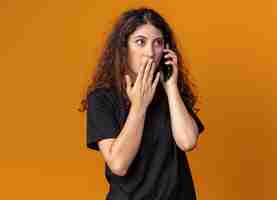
[160, 170]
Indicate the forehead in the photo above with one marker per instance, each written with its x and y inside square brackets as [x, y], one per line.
[147, 30]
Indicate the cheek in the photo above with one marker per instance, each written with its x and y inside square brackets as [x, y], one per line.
[158, 53]
[134, 59]
[159, 57]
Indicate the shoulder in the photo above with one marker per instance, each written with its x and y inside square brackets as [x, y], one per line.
[102, 95]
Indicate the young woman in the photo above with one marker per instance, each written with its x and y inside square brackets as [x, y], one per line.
[141, 111]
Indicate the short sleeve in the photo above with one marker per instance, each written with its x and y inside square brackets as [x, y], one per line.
[101, 121]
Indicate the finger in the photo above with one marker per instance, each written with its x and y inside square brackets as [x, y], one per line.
[170, 55]
[170, 62]
[156, 81]
[151, 73]
[128, 82]
[169, 51]
[141, 71]
[148, 67]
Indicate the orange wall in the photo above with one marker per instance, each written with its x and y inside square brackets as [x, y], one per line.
[48, 50]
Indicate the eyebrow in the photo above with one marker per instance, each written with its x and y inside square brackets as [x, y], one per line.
[145, 37]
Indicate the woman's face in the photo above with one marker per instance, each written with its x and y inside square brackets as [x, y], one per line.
[144, 43]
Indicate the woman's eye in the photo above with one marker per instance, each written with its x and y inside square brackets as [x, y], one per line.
[140, 42]
[159, 42]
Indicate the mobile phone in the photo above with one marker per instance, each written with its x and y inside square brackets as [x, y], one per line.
[165, 68]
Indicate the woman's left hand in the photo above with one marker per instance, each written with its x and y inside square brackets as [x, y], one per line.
[172, 81]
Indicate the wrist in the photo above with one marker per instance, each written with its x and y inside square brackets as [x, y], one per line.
[172, 90]
[138, 110]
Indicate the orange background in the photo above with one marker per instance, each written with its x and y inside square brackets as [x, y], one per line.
[48, 50]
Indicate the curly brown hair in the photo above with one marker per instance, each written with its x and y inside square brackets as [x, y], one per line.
[112, 64]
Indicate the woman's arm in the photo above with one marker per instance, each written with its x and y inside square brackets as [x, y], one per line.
[184, 128]
[120, 153]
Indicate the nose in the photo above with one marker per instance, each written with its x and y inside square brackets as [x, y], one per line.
[150, 53]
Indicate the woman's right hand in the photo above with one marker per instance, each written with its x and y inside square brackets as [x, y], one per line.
[143, 90]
